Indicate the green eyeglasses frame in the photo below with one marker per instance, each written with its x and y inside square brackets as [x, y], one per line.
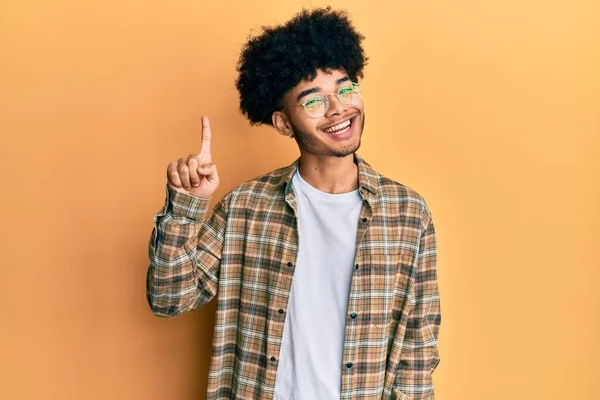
[317, 105]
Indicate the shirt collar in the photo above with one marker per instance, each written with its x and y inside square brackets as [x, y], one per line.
[368, 178]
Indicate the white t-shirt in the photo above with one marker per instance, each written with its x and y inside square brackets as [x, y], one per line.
[310, 360]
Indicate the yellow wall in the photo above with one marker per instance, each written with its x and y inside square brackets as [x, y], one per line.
[490, 109]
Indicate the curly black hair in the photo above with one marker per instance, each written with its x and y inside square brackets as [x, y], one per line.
[278, 59]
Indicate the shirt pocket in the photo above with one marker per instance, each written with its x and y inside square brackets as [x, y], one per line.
[398, 395]
[385, 282]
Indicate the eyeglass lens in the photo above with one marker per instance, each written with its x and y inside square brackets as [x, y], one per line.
[318, 104]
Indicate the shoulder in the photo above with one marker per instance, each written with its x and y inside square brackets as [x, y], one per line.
[398, 194]
[268, 183]
[392, 190]
[266, 187]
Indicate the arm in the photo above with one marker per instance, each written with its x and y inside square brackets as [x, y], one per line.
[419, 355]
[185, 254]
[185, 247]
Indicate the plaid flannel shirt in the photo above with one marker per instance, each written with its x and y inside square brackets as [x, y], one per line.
[244, 253]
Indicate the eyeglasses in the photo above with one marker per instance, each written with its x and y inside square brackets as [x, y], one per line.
[317, 105]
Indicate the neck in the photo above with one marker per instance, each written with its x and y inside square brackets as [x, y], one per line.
[333, 175]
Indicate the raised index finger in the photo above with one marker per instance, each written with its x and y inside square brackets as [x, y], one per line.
[206, 136]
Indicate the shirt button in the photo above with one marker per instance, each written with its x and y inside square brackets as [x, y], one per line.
[290, 264]
[281, 311]
[364, 220]
[353, 315]
[356, 266]
[273, 359]
[349, 364]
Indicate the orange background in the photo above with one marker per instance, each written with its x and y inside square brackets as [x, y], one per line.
[491, 110]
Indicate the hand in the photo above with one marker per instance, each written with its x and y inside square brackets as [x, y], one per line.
[196, 174]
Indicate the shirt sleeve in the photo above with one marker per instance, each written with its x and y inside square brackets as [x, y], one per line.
[185, 254]
[419, 355]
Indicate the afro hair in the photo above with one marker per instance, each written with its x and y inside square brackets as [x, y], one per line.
[280, 57]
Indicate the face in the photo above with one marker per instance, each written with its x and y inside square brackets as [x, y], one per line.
[329, 135]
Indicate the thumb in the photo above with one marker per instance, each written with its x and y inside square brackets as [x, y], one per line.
[208, 171]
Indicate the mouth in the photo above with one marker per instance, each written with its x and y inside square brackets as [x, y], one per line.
[341, 130]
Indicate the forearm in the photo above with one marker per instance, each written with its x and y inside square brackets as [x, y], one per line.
[419, 354]
[176, 280]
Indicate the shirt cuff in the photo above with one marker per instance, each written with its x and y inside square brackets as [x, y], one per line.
[186, 205]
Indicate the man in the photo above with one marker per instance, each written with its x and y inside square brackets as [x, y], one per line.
[324, 271]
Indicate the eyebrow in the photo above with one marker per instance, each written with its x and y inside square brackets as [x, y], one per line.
[318, 89]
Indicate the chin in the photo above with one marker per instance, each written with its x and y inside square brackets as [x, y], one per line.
[340, 153]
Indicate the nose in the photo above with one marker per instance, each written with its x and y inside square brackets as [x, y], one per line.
[335, 106]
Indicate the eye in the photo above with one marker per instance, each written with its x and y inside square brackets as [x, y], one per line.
[314, 102]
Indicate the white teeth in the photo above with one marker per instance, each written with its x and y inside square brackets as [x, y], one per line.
[339, 127]
[342, 131]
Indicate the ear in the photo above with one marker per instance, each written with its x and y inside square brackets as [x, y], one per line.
[282, 124]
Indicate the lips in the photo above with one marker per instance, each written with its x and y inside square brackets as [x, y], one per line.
[342, 130]
[339, 128]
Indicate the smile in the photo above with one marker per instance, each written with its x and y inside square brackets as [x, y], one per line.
[341, 131]
[338, 129]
